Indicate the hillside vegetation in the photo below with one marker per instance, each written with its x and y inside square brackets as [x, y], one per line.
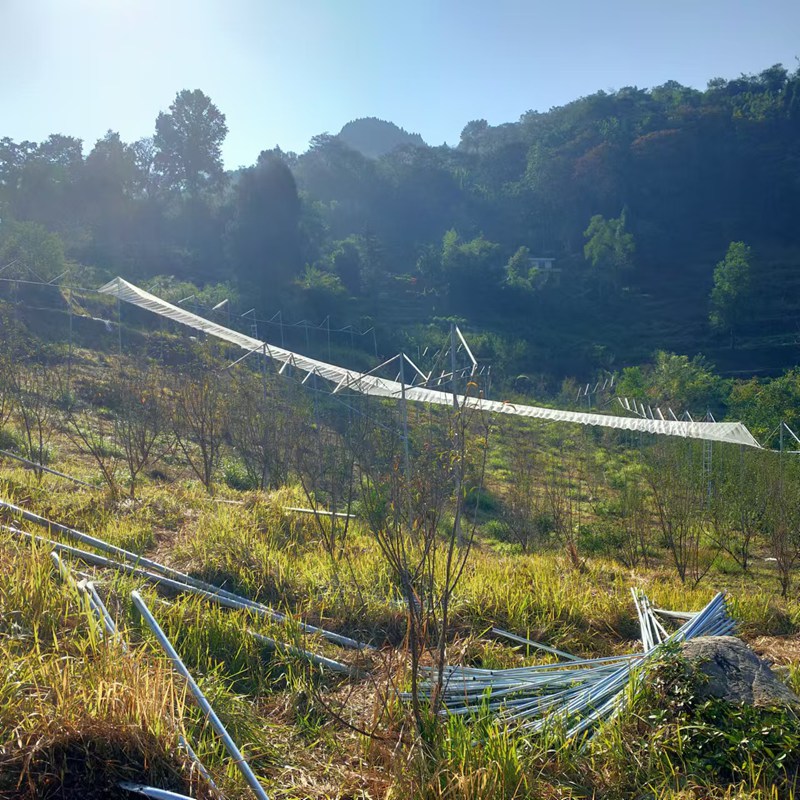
[638, 246]
[637, 194]
[197, 466]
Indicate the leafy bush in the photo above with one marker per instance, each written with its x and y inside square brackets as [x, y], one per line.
[237, 477]
[11, 440]
[670, 735]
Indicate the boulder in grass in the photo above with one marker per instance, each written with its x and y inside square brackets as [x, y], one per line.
[736, 674]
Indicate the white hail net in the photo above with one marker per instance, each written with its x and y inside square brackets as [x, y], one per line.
[365, 383]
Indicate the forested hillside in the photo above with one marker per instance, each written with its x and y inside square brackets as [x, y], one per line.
[637, 195]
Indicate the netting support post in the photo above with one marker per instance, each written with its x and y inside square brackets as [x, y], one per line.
[456, 442]
[119, 326]
[69, 353]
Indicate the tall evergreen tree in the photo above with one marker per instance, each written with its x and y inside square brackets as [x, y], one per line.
[189, 141]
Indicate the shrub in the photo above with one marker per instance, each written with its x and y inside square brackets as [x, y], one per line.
[237, 477]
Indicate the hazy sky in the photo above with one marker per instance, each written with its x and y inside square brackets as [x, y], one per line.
[284, 71]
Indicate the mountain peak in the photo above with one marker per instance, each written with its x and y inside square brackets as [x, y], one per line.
[373, 137]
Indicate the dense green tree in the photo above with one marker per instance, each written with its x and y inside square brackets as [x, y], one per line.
[188, 140]
[521, 273]
[264, 237]
[683, 383]
[518, 269]
[146, 180]
[730, 297]
[677, 382]
[472, 134]
[322, 290]
[104, 192]
[346, 263]
[763, 405]
[109, 168]
[13, 157]
[45, 182]
[31, 250]
[429, 267]
[609, 247]
[61, 151]
[473, 270]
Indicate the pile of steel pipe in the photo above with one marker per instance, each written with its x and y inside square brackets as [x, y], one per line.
[576, 693]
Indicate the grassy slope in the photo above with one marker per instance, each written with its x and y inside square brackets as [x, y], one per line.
[67, 692]
[72, 705]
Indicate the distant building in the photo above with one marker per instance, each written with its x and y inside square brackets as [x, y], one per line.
[543, 263]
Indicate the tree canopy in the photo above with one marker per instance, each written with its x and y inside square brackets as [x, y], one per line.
[631, 196]
[188, 142]
[730, 296]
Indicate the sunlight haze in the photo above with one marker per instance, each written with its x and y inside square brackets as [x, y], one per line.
[283, 72]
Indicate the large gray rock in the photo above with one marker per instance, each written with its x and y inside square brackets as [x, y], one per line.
[736, 674]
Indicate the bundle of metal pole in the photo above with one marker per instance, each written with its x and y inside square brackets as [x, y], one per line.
[581, 692]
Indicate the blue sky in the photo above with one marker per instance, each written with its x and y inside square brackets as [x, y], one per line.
[284, 71]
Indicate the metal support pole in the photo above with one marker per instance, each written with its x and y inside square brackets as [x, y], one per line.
[780, 461]
[404, 412]
[230, 745]
[69, 354]
[708, 458]
[119, 325]
[453, 364]
[264, 369]
[406, 456]
[456, 443]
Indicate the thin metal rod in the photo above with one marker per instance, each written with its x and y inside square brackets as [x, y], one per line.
[119, 325]
[230, 745]
[322, 661]
[46, 469]
[320, 512]
[100, 609]
[98, 606]
[404, 414]
[538, 645]
[419, 372]
[66, 575]
[226, 599]
[466, 347]
[453, 384]
[152, 791]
